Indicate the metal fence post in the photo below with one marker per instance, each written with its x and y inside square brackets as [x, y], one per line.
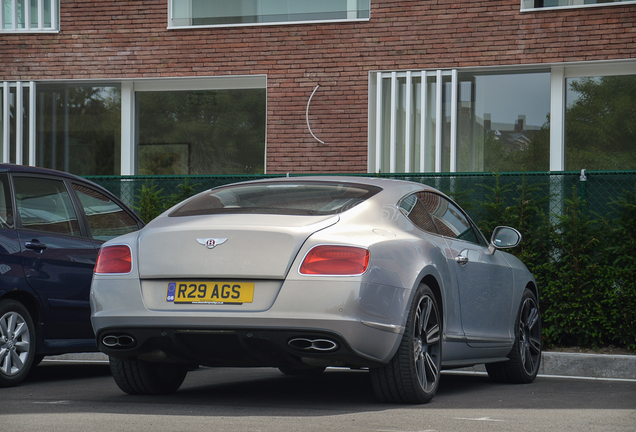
[583, 187]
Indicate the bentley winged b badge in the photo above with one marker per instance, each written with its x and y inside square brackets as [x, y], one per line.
[211, 242]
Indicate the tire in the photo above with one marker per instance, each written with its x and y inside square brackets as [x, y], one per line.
[413, 374]
[137, 377]
[17, 343]
[302, 371]
[37, 360]
[525, 356]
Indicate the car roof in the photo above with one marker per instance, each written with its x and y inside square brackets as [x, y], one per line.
[25, 169]
[13, 168]
[374, 181]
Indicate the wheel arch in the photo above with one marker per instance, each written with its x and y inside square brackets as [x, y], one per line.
[534, 289]
[432, 282]
[27, 300]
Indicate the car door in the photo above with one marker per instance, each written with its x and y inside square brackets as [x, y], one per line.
[57, 255]
[484, 279]
[414, 210]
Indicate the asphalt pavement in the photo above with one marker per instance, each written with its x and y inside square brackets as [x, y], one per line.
[594, 366]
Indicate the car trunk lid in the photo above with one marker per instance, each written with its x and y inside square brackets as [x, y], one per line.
[227, 246]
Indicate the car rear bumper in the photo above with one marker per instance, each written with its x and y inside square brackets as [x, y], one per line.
[244, 346]
[344, 311]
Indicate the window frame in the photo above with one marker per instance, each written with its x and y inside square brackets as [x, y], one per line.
[13, 28]
[172, 26]
[575, 6]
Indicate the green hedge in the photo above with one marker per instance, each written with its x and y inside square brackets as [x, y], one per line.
[583, 260]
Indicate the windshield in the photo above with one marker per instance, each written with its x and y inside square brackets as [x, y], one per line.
[285, 198]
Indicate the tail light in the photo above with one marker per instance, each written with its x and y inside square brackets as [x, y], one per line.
[114, 259]
[335, 260]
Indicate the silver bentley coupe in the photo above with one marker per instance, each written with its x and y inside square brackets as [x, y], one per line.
[306, 273]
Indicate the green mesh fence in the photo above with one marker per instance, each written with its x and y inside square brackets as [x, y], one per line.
[598, 189]
[578, 242]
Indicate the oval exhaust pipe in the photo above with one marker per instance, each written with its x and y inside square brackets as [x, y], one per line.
[305, 344]
[118, 341]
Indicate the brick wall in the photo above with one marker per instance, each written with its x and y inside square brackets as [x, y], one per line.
[115, 39]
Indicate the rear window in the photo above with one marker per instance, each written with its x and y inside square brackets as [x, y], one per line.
[289, 198]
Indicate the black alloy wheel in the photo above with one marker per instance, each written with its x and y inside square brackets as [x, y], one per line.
[525, 356]
[413, 375]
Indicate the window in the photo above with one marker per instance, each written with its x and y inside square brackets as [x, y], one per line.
[6, 209]
[415, 211]
[299, 198]
[45, 205]
[192, 13]
[554, 4]
[503, 122]
[210, 125]
[201, 132]
[106, 218]
[600, 125]
[79, 128]
[15, 112]
[412, 128]
[435, 214]
[449, 219]
[29, 16]
[459, 122]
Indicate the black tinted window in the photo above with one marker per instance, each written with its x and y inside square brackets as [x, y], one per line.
[105, 217]
[6, 209]
[45, 205]
[448, 218]
[293, 198]
[415, 211]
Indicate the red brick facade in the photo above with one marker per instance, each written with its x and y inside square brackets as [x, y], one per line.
[114, 39]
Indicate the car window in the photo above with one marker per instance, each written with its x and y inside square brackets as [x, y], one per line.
[6, 209]
[449, 219]
[415, 211]
[293, 198]
[45, 205]
[106, 218]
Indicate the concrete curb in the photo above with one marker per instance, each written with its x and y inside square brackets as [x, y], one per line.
[79, 357]
[589, 365]
[600, 366]
[552, 363]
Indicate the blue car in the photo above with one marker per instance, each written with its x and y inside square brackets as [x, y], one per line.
[52, 225]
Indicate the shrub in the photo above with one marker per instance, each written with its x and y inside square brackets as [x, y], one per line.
[153, 202]
[584, 264]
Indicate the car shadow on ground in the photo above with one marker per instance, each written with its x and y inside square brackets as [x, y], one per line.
[268, 392]
[48, 371]
[334, 389]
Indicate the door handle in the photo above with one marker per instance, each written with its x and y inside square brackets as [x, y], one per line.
[35, 245]
[461, 260]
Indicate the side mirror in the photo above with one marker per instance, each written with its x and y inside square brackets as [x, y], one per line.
[504, 238]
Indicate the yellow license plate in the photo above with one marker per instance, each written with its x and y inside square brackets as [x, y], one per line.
[210, 292]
